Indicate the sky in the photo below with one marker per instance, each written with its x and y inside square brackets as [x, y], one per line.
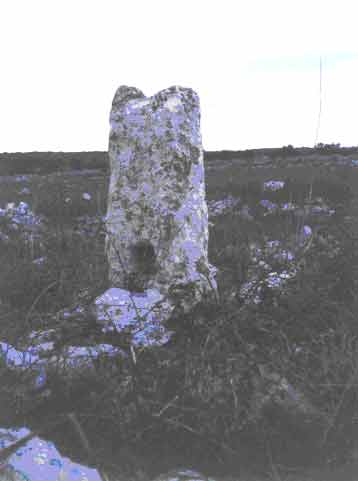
[255, 65]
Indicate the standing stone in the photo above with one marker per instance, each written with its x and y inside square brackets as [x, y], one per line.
[157, 217]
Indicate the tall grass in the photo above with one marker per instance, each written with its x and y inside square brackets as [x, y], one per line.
[194, 399]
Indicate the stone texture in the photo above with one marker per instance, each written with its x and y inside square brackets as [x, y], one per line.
[157, 217]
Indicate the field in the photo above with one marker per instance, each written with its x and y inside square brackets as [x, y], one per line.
[210, 383]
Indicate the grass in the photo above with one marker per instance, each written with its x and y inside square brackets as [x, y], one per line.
[193, 399]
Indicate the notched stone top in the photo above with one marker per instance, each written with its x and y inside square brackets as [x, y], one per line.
[170, 119]
[174, 99]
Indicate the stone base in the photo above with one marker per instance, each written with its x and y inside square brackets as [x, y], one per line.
[138, 314]
[141, 314]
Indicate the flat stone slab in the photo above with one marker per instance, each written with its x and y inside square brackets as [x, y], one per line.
[119, 310]
[39, 460]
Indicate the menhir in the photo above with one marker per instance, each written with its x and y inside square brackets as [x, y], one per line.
[157, 217]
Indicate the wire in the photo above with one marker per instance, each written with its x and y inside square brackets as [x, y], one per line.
[320, 102]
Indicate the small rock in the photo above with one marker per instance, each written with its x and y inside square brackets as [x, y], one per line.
[39, 260]
[10, 206]
[4, 237]
[182, 475]
[274, 185]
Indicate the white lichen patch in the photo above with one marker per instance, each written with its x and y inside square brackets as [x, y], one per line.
[172, 104]
[137, 104]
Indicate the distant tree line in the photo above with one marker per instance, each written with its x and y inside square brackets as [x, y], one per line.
[284, 151]
[328, 148]
[46, 162]
[15, 163]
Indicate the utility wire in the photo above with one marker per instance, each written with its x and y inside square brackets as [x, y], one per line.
[320, 102]
[318, 120]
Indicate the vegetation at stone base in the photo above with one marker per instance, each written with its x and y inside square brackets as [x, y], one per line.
[191, 400]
